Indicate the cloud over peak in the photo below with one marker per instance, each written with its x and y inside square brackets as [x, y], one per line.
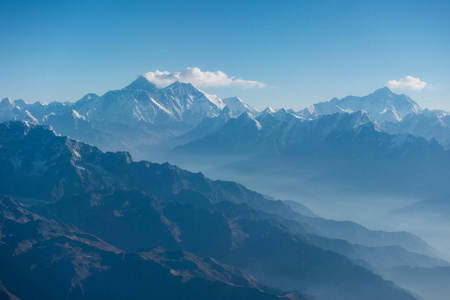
[201, 78]
[407, 83]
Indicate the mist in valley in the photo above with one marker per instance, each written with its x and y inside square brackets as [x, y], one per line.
[372, 205]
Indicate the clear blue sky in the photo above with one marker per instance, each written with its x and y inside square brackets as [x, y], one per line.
[304, 51]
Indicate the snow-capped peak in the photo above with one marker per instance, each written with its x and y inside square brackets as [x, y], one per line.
[142, 83]
[382, 105]
[185, 87]
[384, 91]
[237, 106]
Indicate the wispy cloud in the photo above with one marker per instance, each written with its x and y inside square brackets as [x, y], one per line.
[201, 78]
[407, 83]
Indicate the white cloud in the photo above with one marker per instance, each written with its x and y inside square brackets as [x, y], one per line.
[407, 83]
[200, 78]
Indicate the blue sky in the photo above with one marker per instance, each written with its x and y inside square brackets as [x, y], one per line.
[303, 51]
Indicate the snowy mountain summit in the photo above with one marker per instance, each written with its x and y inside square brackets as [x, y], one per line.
[238, 107]
[383, 105]
[143, 101]
[144, 113]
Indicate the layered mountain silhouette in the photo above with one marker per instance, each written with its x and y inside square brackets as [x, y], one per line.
[380, 143]
[218, 233]
[160, 114]
[343, 150]
[43, 258]
[98, 217]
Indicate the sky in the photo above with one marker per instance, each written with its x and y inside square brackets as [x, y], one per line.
[269, 53]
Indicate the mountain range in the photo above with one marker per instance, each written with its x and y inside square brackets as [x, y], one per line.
[383, 143]
[61, 192]
[164, 113]
[382, 105]
[94, 216]
[359, 138]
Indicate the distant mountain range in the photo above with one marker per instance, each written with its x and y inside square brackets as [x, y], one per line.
[382, 105]
[394, 113]
[342, 144]
[161, 114]
[383, 142]
[157, 115]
